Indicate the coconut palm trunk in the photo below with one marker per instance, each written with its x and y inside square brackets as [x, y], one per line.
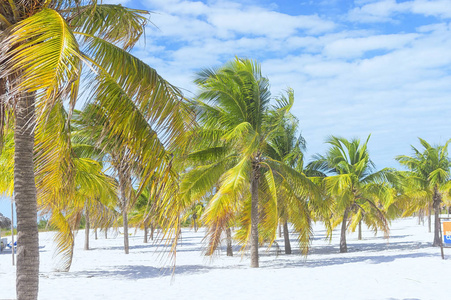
[87, 227]
[437, 200]
[229, 242]
[360, 230]
[145, 234]
[286, 237]
[343, 246]
[123, 187]
[254, 216]
[430, 218]
[124, 204]
[27, 272]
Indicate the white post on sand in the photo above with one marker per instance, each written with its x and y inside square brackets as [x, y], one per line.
[12, 229]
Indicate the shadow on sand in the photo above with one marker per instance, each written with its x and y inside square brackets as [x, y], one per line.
[135, 272]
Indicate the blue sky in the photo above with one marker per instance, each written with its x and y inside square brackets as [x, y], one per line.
[357, 67]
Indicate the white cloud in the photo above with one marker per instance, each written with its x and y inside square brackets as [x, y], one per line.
[384, 11]
[440, 8]
[356, 47]
[256, 21]
[122, 2]
[349, 79]
[226, 19]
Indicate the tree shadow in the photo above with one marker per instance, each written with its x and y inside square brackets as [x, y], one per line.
[135, 272]
[184, 247]
[283, 262]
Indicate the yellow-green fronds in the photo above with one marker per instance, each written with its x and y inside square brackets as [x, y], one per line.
[300, 217]
[42, 55]
[92, 183]
[267, 227]
[200, 180]
[268, 212]
[224, 204]
[413, 201]
[215, 227]
[113, 23]
[297, 211]
[355, 219]
[64, 237]
[205, 156]
[336, 220]
[54, 162]
[159, 103]
[243, 222]
[340, 185]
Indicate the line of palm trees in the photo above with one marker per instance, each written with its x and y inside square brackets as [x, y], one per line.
[139, 153]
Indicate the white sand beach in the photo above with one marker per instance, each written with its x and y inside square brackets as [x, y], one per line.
[404, 267]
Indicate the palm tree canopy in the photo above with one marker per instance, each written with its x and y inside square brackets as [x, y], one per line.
[52, 48]
[236, 140]
[429, 167]
[354, 184]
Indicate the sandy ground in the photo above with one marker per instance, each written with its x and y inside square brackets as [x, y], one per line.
[404, 267]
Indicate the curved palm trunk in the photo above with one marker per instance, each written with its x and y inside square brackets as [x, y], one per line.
[254, 217]
[437, 200]
[95, 233]
[343, 246]
[87, 227]
[27, 272]
[229, 242]
[286, 237]
[430, 218]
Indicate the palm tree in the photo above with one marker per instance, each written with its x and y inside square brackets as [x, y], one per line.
[428, 178]
[356, 189]
[141, 163]
[237, 122]
[41, 65]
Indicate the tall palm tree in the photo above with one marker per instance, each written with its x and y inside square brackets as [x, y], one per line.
[428, 179]
[237, 123]
[44, 44]
[354, 186]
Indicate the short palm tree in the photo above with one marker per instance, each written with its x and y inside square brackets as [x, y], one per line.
[428, 179]
[44, 45]
[356, 189]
